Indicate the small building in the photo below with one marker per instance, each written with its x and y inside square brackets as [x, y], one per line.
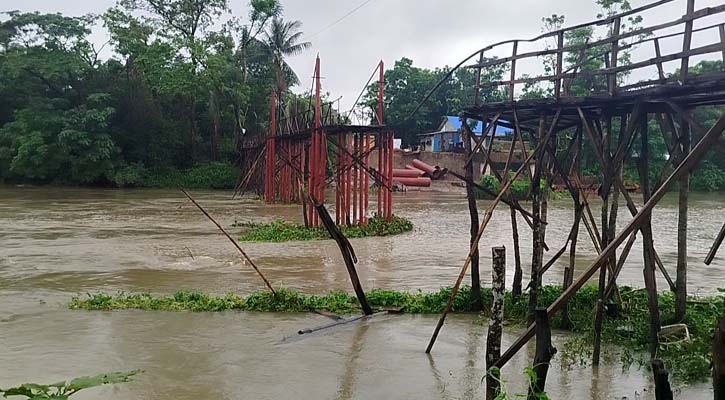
[448, 136]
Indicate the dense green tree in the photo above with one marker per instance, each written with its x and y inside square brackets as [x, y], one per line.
[407, 85]
[178, 90]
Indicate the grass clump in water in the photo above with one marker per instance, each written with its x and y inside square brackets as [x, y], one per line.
[282, 231]
[688, 361]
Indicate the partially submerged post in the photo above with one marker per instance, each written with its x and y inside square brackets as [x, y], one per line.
[493, 340]
[718, 361]
[544, 353]
[348, 255]
[663, 391]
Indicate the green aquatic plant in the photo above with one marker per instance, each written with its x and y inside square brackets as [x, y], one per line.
[282, 231]
[688, 361]
[63, 390]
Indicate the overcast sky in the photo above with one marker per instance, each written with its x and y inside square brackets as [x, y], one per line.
[433, 33]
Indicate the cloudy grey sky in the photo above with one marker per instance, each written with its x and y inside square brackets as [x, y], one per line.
[433, 33]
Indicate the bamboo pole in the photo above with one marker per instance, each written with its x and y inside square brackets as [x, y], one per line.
[578, 213]
[545, 351]
[518, 271]
[234, 242]
[648, 250]
[476, 301]
[486, 218]
[495, 328]
[705, 144]
[681, 282]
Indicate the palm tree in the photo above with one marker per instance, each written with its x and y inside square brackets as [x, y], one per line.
[283, 40]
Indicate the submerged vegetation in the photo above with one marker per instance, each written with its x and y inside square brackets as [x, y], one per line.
[63, 390]
[687, 360]
[281, 231]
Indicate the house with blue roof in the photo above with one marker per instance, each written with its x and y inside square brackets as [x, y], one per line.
[448, 136]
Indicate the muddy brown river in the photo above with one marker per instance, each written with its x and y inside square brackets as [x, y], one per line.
[56, 243]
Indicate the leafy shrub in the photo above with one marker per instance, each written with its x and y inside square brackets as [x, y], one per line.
[520, 188]
[132, 175]
[216, 175]
[708, 178]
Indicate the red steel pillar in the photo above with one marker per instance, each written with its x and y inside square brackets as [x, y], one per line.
[271, 156]
[318, 153]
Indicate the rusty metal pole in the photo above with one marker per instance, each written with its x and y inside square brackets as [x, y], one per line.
[317, 143]
[391, 154]
[355, 181]
[338, 184]
[380, 140]
[366, 179]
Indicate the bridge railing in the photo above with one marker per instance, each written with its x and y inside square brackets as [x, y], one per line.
[609, 48]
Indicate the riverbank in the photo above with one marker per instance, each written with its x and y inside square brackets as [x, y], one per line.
[689, 361]
[209, 175]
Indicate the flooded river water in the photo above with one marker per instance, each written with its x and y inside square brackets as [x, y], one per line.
[59, 242]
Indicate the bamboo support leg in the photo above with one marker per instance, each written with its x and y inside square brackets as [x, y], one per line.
[495, 329]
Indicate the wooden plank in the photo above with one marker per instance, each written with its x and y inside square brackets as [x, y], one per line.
[705, 144]
[612, 77]
[721, 28]
[348, 256]
[686, 43]
[559, 63]
[717, 47]
[658, 54]
[646, 31]
[512, 86]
